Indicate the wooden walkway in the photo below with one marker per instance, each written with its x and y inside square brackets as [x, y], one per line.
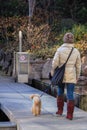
[15, 102]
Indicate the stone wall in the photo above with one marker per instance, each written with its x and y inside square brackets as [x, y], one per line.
[84, 65]
[39, 69]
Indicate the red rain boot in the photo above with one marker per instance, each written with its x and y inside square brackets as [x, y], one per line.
[60, 104]
[70, 109]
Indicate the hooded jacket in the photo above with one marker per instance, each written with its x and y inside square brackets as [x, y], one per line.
[73, 66]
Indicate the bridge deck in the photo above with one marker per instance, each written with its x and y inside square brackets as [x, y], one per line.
[15, 102]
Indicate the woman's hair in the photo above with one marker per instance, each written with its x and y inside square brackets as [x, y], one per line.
[68, 38]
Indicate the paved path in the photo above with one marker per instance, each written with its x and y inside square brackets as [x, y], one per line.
[15, 102]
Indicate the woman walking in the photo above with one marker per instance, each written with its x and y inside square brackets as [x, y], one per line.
[71, 75]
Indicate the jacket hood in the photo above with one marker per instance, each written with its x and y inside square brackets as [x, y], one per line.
[67, 45]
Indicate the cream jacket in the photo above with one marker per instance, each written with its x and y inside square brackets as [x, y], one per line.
[73, 66]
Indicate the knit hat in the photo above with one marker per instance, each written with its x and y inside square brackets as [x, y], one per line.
[68, 38]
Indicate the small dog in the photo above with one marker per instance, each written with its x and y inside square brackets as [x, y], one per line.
[36, 106]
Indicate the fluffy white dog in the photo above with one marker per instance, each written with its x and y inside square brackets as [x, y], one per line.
[36, 106]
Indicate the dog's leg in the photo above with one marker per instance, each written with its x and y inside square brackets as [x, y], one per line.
[40, 108]
[35, 111]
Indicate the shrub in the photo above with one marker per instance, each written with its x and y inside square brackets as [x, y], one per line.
[81, 46]
[44, 53]
[79, 31]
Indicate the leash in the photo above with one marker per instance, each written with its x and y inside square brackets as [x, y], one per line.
[45, 90]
